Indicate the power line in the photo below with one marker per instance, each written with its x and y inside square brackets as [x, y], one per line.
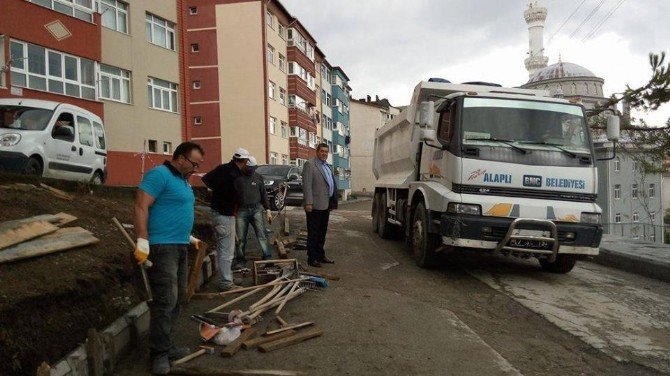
[602, 22]
[566, 21]
[588, 17]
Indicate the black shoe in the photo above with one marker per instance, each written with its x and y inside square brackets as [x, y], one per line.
[315, 264]
[326, 260]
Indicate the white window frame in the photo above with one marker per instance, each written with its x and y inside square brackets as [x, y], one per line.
[73, 8]
[270, 19]
[652, 216]
[192, 10]
[197, 120]
[272, 125]
[21, 65]
[282, 96]
[634, 191]
[617, 218]
[636, 217]
[195, 47]
[651, 190]
[153, 22]
[282, 63]
[617, 191]
[284, 129]
[272, 90]
[294, 132]
[617, 164]
[284, 159]
[197, 84]
[167, 148]
[270, 54]
[153, 143]
[295, 101]
[273, 158]
[120, 10]
[123, 79]
[164, 87]
[281, 29]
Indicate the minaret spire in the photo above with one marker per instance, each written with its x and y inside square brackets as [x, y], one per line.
[535, 15]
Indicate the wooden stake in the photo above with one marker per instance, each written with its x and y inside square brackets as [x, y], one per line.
[233, 347]
[281, 321]
[194, 275]
[251, 343]
[224, 305]
[289, 327]
[288, 341]
[293, 288]
[214, 295]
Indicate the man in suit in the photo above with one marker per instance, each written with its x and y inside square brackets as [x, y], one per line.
[320, 197]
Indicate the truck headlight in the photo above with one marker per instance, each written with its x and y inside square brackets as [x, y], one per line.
[9, 139]
[456, 208]
[591, 218]
[269, 182]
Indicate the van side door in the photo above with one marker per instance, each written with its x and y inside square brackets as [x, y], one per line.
[60, 149]
[86, 148]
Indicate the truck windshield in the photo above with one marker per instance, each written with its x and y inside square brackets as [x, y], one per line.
[549, 126]
[24, 118]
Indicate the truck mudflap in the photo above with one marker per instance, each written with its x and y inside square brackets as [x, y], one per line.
[520, 236]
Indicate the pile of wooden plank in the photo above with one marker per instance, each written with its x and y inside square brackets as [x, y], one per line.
[40, 235]
[29, 187]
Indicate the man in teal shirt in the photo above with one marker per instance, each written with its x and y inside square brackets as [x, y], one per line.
[164, 211]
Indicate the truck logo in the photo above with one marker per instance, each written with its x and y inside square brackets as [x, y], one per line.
[532, 181]
[477, 173]
[497, 178]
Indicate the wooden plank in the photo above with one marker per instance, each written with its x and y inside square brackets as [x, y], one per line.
[233, 347]
[25, 232]
[285, 223]
[288, 341]
[200, 371]
[64, 218]
[94, 353]
[51, 218]
[196, 269]
[289, 327]
[255, 342]
[57, 192]
[330, 277]
[61, 240]
[281, 251]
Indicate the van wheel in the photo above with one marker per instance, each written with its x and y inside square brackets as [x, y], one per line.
[33, 167]
[562, 265]
[423, 243]
[375, 214]
[96, 179]
[278, 201]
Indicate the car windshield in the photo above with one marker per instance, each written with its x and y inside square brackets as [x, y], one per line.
[529, 124]
[273, 170]
[24, 118]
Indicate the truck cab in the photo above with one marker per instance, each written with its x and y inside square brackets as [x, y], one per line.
[51, 139]
[502, 170]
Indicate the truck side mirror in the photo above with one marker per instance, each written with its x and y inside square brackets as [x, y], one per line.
[613, 127]
[428, 135]
[426, 113]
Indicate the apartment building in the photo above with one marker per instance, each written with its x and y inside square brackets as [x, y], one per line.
[341, 132]
[116, 59]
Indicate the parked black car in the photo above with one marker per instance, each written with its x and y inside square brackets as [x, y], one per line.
[278, 176]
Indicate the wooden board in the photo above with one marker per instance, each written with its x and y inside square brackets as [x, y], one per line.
[196, 269]
[233, 347]
[218, 371]
[59, 219]
[288, 341]
[61, 240]
[25, 231]
[64, 218]
[327, 276]
[251, 343]
[57, 192]
[280, 249]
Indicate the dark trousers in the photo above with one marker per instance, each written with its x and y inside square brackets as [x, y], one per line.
[168, 279]
[317, 226]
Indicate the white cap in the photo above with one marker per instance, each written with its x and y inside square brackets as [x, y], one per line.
[252, 161]
[241, 154]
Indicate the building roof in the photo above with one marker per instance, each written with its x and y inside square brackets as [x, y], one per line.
[561, 69]
[342, 71]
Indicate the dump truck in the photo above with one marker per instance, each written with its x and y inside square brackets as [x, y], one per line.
[498, 170]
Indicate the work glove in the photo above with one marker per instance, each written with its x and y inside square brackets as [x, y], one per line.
[141, 250]
[268, 215]
[197, 243]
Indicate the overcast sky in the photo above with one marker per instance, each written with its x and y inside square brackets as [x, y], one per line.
[387, 46]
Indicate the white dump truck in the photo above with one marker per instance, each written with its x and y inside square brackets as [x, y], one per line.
[479, 166]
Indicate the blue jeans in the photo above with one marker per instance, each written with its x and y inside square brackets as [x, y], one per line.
[251, 216]
[224, 230]
[168, 279]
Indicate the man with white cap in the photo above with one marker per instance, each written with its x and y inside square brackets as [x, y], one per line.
[226, 200]
[254, 206]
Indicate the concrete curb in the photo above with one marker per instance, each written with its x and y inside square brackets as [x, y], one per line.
[634, 264]
[354, 201]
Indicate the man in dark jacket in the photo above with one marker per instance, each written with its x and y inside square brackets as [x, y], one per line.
[254, 207]
[226, 200]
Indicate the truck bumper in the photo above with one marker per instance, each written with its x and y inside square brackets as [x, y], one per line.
[487, 233]
[11, 161]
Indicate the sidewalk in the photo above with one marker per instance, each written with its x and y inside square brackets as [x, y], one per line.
[644, 258]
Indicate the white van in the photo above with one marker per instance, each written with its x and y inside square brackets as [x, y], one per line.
[52, 139]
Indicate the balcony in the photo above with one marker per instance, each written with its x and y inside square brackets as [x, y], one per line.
[299, 149]
[298, 86]
[299, 118]
[293, 53]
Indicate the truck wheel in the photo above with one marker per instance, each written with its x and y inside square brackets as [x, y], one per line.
[384, 228]
[563, 264]
[375, 214]
[33, 167]
[423, 243]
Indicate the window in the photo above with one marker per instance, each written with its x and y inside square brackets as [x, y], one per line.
[66, 121]
[617, 164]
[636, 217]
[298, 70]
[2, 61]
[284, 159]
[160, 32]
[272, 126]
[271, 90]
[329, 100]
[282, 62]
[197, 120]
[634, 166]
[167, 147]
[617, 218]
[652, 237]
[114, 84]
[296, 101]
[296, 39]
[153, 146]
[270, 54]
[652, 216]
[282, 96]
[634, 189]
[85, 131]
[114, 15]
[270, 19]
[445, 128]
[196, 85]
[99, 135]
[42, 69]
[284, 129]
[162, 94]
[192, 11]
[273, 158]
[282, 31]
[82, 9]
[617, 191]
[652, 190]
[195, 47]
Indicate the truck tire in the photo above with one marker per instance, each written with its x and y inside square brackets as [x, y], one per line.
[33, 167]
[375, 212]
[562, 265]
[384, 228]
[423, 243]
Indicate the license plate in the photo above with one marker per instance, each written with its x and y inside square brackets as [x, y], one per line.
[532, 244]
[524, 232]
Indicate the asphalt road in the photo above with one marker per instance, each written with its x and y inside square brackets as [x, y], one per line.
[472, 316]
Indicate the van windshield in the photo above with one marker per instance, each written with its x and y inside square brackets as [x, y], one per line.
[24, 118]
